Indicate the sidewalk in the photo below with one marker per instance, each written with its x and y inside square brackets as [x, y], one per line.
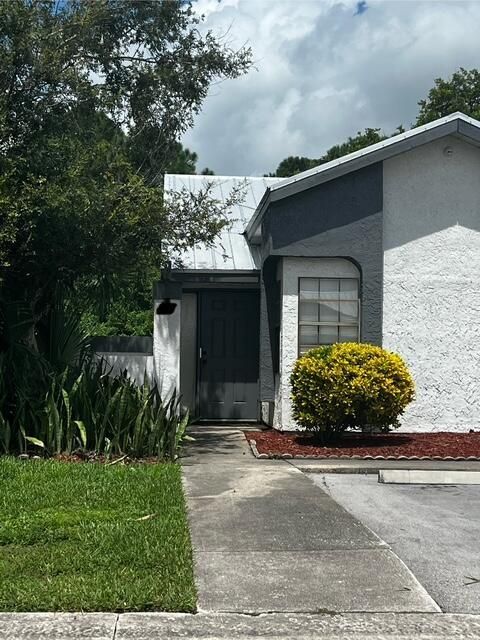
[166, 626]
[266, 539]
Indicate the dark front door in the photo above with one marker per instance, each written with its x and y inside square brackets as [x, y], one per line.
[229, 347]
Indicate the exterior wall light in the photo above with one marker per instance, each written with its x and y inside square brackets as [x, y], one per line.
[166, 307]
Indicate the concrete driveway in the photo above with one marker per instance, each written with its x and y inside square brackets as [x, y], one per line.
[434, 529]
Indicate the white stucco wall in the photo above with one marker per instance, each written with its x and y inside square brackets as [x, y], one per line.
[139, 366]
[431, 290]
[166, 349]
[291, 270]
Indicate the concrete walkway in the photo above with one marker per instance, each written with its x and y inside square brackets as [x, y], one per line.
[166, 626]
[266, 539]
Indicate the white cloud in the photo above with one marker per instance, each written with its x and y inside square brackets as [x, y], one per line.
[323, 73]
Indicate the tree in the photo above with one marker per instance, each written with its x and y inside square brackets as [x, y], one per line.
[360, 141]
[461, 92]
[93, 99]
[185, 161]
[294, 164]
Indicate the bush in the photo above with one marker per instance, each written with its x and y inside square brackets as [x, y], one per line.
[89, 409]
[350, 386]
[58, 398]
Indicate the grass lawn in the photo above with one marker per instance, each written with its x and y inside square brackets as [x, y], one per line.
[89, 537]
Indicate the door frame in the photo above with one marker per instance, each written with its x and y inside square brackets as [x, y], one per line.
[200, 301]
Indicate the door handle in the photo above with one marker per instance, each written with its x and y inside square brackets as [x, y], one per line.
[202, 354]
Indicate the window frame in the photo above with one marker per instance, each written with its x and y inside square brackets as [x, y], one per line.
[338, 324]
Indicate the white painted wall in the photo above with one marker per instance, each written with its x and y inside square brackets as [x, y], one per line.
[188, 351]
[139, 366]
[166, 349]
[431, 291]
[291, 270]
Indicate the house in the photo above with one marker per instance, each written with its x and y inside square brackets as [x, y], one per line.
[382, 246]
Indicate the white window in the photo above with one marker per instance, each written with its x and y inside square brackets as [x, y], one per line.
[329, 311]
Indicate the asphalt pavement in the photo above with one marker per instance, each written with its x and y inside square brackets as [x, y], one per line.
[434, 529]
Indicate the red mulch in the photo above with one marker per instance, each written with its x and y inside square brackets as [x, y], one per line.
[381, 446]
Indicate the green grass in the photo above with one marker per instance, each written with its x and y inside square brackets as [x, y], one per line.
[72, 538]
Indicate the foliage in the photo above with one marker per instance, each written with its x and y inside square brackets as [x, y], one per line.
[184, 161]
[121, 320]
[356, 143]
[58, 398]
[93, 99]
[91, 409]
[28, 360]
[349, 386]
[461, 92]
[93, 537]
[125, 303]
[292, 165]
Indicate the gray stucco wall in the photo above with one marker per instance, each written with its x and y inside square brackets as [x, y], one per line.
[339, 219]
[299, 219]
[269, 328]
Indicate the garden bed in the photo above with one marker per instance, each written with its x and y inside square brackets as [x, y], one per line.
[93, 537]
[390, 446]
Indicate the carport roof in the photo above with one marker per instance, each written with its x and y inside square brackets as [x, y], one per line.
[231, 251]
[457, 124]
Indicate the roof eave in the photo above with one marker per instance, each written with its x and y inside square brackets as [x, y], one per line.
[360, 160]
[255, 221]
[455, 124]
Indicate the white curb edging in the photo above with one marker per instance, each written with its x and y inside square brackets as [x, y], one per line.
[426, 476]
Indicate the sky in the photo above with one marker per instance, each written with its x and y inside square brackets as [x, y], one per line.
[324, 70]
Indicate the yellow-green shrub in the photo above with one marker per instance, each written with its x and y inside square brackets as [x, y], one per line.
[350, 386]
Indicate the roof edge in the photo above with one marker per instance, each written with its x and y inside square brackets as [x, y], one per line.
[358, 159]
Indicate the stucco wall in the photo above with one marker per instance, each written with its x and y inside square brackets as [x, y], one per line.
[188, 351]
[292, 270]
[338, 219]
[431, 290]
[139, 366]
[269, 330]
[166, 349]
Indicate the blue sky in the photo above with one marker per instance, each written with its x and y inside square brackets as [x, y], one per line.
[324, 70]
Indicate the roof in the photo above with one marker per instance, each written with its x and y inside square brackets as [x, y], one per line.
[456, 124]
[231, 250]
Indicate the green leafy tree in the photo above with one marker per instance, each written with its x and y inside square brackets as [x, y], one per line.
[355, 143]
[183, 161]
[294, 164]
[94, 97]
[461, 92]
